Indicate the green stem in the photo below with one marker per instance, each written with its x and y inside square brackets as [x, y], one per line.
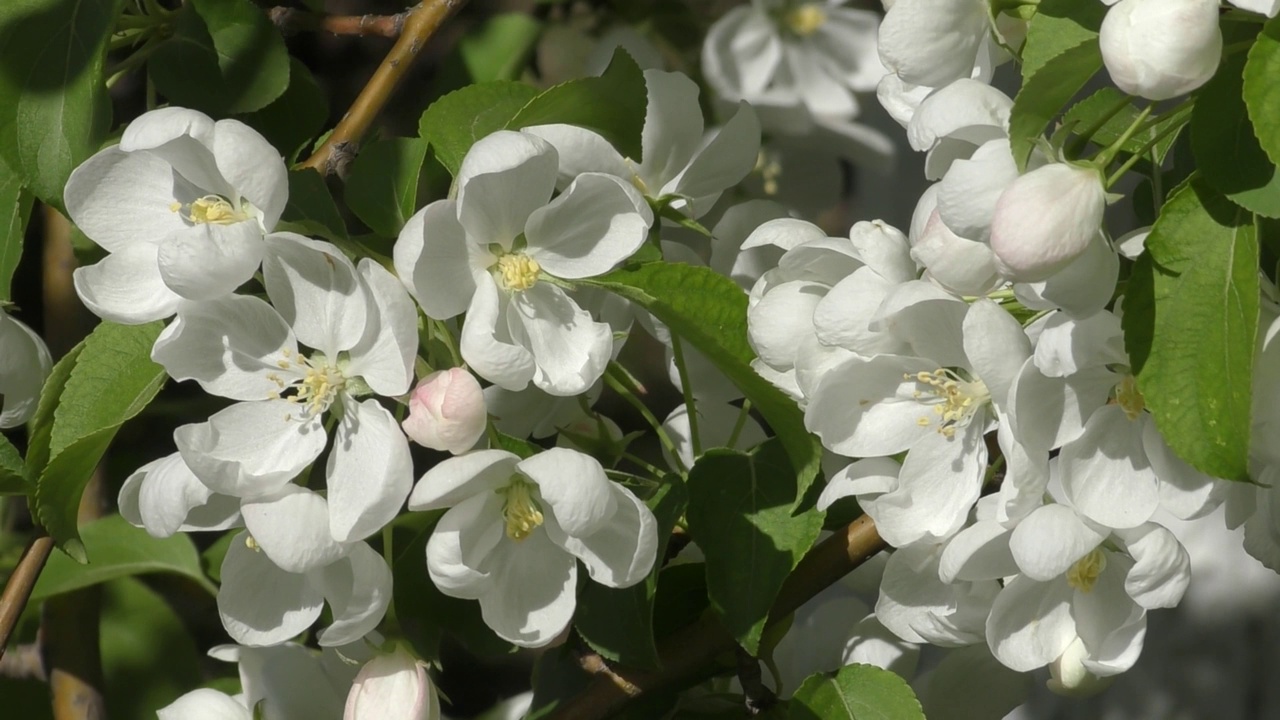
[387, 553]
[1085, 135]
[1133, 159]
[677, 349]
[1105, 157]
[446, 337]
[616, 377]
[741, 423]
[133, 62]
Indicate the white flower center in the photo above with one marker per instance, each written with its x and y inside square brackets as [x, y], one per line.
[210, 210]
[521, 511]
[954, 400]
[804, 20]
[320, 384]
[1084, 573]
[1129, 398]
[516, 271]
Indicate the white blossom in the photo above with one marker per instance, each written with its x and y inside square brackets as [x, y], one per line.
[1160, 49]
[24, 366]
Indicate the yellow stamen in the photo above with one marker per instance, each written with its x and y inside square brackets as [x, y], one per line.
[961, 399]
[1129, 398]
[805, 19]
[1084, 573]
[517, 271]
[521, 511]
[210, 209]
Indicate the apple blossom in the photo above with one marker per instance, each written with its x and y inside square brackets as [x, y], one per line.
[1045, 219]
[932, 42]
[165, 497]
[24, 366]
[1160, 49]
[182, 205]
[446, 411]
[516, 529]
[392, 686]
[500, 249]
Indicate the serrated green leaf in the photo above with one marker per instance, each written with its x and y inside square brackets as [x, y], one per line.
[1058, 26]
[225, 57]
[142, 636]
[382, 184]
[120, 550]
[618, 622]
[13, 474]
[612, 105]
[710, 311]
[15, 210]
[311, 209]
[1262, 92]
[54, 109]
[514, 445]
[1091, 110]
[456, 121]
[1226, 149]
[500, 48]
[1045, 93]
[42, 421]
[857, 692]
[1191, 316]
[740, 514]
[112, 381]
[294, 119]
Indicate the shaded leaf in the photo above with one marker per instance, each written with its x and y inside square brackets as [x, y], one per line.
[382, 184]
[856, 692]
[1226, 150]
[456, 121]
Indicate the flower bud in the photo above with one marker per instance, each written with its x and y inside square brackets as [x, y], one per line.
[446, 411]
[1069, 677]
[392, 687]
[1045, 219]
[1159, 49]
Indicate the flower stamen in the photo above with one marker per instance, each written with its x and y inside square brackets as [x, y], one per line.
[805, 19]
[517, 271]
[1129, 397]
[960, 399]
[1083, 574]
[521, 511]
[210, 209]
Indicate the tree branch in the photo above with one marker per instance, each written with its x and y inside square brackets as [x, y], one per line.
[291, 21]
[340, 147]
[18, 589]
[687, 655]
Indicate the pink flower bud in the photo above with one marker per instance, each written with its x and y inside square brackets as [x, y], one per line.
[1045, 219]
[1160, 49]
[392, 687]
[446, 411]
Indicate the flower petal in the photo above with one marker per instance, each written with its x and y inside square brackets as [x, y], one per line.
[253, 167]
[120, 198]
[316, 290]
[126, 287]
[533, 597]
[729, 156]
[1162, 567]
[451, 481]
[250, 449]
[620, 552]
[460, 547]
[1030, 623]
[581, 151]
[358, 588]
[208, 260]
[384, 356]
[261, 604]
[168, 498]
[1050, 540]
[592, 226]
[1105, 471]
[504, 177]
[570, 348]
[487, 344]
[575, 486]
[432, 258]
[369, 472]
[292, 528]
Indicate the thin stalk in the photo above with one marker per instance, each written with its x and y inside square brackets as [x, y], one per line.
[615, 377]
[677, 349]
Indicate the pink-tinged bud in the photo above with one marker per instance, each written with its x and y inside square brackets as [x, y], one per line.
[446, 411]
[392, 687]
[1045, 219]
[1160, 49]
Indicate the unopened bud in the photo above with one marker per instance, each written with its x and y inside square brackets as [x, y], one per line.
[1046, 219]
[394, 686]
[1160, 49]
[446, 411]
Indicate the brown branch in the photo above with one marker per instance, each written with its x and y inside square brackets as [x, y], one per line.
[340, 147]
[688, 655]
[18, 589]
[291, 21]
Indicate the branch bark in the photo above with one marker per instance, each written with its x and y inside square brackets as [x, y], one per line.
[339, 149]
[18, 589]
[291, 20]
[687, 655]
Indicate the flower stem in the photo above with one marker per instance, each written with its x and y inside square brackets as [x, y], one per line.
[677, 349]
[616, 377]
[1105, 157]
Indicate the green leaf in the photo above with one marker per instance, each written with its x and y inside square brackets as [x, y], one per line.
[120, 550]
[225, 57]
[1227, 152]
[1091, 110]
[54, 108]
[1191, 316]
[857, 692]
[42, 421]
[1045, 93]
[1058, 26]
[295, 118]
[618, 622]
[500, 48]
[149, 658]
[740, 514]
[612, 105]
[514, 445]
[13, 474]
[456, 121]
[710, 311]
[1262, 92]
[311, 209]
[382, 184]
[15, 210]
[112, 381]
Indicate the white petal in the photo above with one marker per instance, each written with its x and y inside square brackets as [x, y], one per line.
[592, 226]
[741, 53]
[533, 597]
[250, 449]
[1162, 567]
[869, 476]
[967, 194]
[369, 472]
[996, 346]
[292, 528]
[672, 126]
[866, 408]
[253, 167]
[728, 158]
[1048, 541]
[781, 319]
[979, 552]
[1105, 471]
[231, 346]
[582, 151]
[126, 287]
[1185, 492]
[184, 139]
[503, 179]
[459, 549]
[1109, 623]
[451, 481]
[261, 604]
[959, 264]
[1031, 623]
[620, 552]
[932, 43]
[358, 589]
[208, 260]
[120, 199]
[384, 356]
[1082, 288]
[204, 704]
[432, 258]
[966, 110]
[169, 498]
[940, 481]
[316, 290]
[570, 349]
[918, 607]
[24, 365]
[575, 486]
[487, 345]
